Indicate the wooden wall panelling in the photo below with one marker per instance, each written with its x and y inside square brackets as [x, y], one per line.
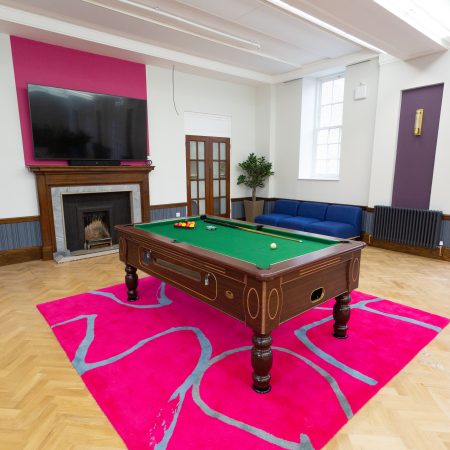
[19, 255]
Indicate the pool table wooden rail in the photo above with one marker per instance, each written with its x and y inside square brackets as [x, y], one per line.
[275, 270]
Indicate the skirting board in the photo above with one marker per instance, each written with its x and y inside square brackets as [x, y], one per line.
[435, 253]
[19, 255]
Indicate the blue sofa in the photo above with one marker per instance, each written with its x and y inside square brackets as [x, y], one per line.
[307, 213]
[332, 220]
[282, 210]
[340, 221]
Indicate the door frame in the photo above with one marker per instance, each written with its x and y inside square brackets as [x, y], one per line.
[209, 195]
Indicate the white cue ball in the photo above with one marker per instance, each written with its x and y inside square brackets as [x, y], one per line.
[273, 246]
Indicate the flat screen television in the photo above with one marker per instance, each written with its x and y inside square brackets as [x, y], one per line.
[83, 126]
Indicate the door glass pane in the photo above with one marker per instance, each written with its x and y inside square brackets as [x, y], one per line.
[193, 189]
[193, 148]
[223, 169]
[215, 150]
[201, 208]
[201, 170]
[215, 170]
[223, 205]
[217, 206]
[201, 150]
[223, 187]
[216, 192]
[201, 189]
[223, 152]
[194, 170]
[194, 207]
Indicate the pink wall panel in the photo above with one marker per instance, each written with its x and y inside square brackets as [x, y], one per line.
[51, 65]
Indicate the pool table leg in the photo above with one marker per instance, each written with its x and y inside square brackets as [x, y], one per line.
[261, 362]
[131, 280]
[341, 315]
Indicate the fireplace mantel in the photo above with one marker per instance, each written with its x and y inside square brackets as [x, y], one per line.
[52, 176]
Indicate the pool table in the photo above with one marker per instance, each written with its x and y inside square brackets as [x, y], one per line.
[232, 266]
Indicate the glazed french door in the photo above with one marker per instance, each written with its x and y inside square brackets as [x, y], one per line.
[208, 175]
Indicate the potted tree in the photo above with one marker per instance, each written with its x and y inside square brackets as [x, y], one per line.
[257, 169]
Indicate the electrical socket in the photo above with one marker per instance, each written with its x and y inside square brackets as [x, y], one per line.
[177, 214]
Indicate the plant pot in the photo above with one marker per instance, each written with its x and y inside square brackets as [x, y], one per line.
[253, 209]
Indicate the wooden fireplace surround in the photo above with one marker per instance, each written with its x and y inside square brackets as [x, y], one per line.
[51, 176]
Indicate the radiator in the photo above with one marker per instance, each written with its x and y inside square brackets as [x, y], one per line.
[417, 227]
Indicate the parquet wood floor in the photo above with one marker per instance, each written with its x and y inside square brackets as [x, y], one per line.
[44, 404]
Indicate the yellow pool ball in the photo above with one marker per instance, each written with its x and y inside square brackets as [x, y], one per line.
[273, 246]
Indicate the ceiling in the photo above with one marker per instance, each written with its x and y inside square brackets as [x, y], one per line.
[248, 39]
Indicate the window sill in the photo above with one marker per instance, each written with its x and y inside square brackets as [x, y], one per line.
[319, 178]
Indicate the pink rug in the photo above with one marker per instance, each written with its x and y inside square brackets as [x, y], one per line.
[173, 373]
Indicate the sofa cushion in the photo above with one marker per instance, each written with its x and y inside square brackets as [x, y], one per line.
[346, 214]
[311, 209]
[331, 228]
[271, 219]
[288, 207]
[297, 222]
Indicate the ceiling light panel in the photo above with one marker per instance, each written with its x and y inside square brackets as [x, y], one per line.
[431, 18]
[303, 15]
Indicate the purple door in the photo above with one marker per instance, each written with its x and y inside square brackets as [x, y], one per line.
[415, 154]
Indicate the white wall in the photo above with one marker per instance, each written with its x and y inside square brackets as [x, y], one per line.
[356, 149]
[287, 139]
[201, 124]
[394, 77]
[264, 118]
[18, 196]
[167, 137]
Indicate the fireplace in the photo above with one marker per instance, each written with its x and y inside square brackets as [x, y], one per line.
[54, 183]
[89, 219]
[76, 207]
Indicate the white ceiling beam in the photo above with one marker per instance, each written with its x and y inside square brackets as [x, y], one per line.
[13, 16]
[39, 27]
[324, 65]
[367, 20]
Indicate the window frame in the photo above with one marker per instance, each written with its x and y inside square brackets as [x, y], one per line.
[317, 128]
